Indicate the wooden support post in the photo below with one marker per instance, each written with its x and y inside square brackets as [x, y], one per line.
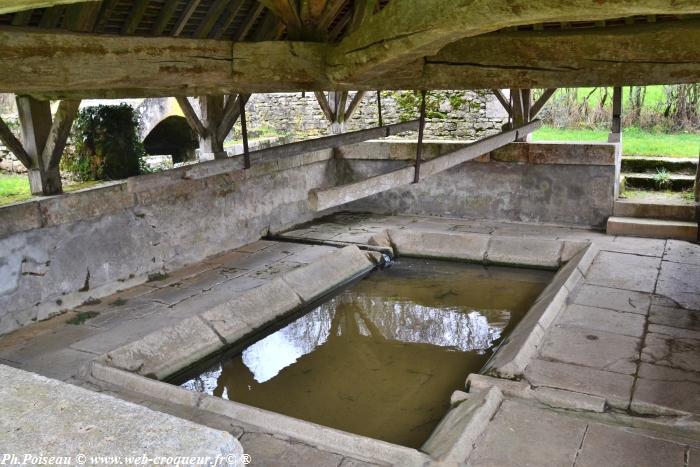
[379, 108]
[616, 129]
[523, 104]
[421, 129]
[212, 112]
[244, 132]
[615, 136]
[697, 182]
[44, 140]
[35, 121]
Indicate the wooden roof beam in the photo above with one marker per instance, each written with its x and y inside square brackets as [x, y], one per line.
[10, 6]
[68, 65]
[407, 30]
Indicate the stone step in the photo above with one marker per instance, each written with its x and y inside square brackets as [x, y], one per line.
[647, 181]
[652, 228]
[666, 210]
[652, 164]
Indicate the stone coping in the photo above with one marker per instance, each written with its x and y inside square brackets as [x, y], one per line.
[140, 190]
[45, 417]
[173, 349]
[549, 153]
[571, 259]
[139, 366]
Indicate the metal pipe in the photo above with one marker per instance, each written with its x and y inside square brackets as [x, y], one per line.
[421, 127]
[244, 132]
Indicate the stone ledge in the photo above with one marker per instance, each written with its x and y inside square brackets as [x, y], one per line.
[258, 420]
[47, 417]
[516, 351]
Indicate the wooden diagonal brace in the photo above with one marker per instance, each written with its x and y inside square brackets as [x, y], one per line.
[58, 135]
[13, 144]
[191, 116]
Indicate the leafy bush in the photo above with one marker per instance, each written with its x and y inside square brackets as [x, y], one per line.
[106, 145]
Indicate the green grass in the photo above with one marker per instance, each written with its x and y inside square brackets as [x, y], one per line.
[635, 142]
[15, 188]
[654, 97]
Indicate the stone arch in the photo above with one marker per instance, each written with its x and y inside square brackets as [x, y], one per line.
[163, 129]
[173, 136]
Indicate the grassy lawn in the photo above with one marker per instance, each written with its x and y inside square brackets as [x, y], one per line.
[635, 142]
[15, 188]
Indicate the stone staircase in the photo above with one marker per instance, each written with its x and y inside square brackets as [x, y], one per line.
[654, 219]
[655, 216]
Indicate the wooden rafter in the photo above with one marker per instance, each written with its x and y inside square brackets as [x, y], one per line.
[185, 17]
[164, 17]
[213, 15]
[231, 113]
[135, 17]
[229, 15]
[105, 13]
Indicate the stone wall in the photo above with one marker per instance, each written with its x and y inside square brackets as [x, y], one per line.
[563, 184]
[58, 252]
[468, 115]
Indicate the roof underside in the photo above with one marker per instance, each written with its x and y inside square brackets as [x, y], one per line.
[335, 44]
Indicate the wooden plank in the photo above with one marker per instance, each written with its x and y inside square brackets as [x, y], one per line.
[191, 116]
[321, 199]
[9, 6]
[81, 17]
[302, 147]
[185, 17]
[22, 18]
[213, 15]
[13, 144]
[286, 10]
[541, 101]
[51, 17]
[135, 16]
[105, 13]
[58, 135]
[164, 17]
[233, 9]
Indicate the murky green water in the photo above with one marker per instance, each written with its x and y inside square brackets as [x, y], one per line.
[382, 358]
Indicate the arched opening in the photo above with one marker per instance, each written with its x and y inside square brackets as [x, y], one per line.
[172, 136]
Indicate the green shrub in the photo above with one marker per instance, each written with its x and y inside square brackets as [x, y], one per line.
[106, 145]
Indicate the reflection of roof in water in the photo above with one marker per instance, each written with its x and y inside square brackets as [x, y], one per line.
[374, 318]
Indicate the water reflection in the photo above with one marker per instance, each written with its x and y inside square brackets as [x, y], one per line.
[382, 358]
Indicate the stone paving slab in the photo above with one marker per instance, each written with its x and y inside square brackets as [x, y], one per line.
[682, 252]
[517, 434]
[594, 349]
[42, 416]
[605, 445]
[675, 317]
[623, 271]
[616, 388]
[681, 283]
[613, 299]
[601, 319]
